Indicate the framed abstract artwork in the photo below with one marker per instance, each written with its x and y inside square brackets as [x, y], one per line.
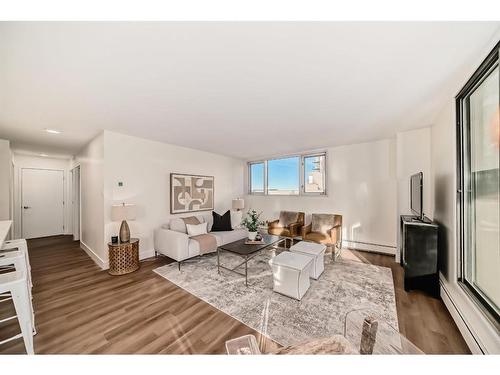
[191, 193]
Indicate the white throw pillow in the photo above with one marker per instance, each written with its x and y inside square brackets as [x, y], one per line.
[196, 229]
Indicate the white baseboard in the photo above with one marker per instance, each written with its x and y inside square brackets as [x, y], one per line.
[146, 254]
[97, 260]
[455, 314]
[479, 333]
[105, 265]
[375, 248]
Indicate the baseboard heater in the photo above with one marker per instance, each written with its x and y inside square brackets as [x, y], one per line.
[370, 246]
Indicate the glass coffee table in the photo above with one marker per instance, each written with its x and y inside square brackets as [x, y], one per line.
[246, 252]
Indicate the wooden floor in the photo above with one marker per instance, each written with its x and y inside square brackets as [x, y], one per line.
[81, 309]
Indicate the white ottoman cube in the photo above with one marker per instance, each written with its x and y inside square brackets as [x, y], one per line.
[314, 250]
[291, 274]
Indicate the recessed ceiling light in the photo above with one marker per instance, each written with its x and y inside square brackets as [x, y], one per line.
[44, 155]
[53, 131]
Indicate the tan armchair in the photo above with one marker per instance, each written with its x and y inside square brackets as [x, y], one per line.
[288, 225]
[325, 229]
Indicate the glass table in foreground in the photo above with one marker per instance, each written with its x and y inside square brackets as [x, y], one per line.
[371, 334]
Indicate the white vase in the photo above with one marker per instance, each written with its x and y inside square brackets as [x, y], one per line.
[251, 235]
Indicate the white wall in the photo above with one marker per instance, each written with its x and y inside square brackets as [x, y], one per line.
[361, 186]
[5, 180]
[30, 161]
[144, 167]
[478, 332]
[91, 161]
[413, 155]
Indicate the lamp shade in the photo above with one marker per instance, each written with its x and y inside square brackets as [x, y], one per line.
[238, 204]
[123, 211]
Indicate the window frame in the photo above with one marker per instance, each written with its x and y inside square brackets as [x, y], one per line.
[303, 174]
[300, 171]
[462, 113]
[264, 177]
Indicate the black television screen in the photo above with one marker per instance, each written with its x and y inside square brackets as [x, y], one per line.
[416, 194]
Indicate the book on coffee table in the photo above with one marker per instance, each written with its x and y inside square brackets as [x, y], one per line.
[250, 242]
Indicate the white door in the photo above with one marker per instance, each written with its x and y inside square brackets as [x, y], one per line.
[42, 202]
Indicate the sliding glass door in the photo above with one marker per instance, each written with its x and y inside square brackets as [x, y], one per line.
[479, 185]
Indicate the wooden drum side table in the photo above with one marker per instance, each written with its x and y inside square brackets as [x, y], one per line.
[123, 257]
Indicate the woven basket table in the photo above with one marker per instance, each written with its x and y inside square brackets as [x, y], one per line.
[123, 257]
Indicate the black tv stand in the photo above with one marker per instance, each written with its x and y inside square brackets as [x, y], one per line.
[419, 253]
[424, 219]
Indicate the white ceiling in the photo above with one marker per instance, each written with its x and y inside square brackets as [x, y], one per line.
[243, 89]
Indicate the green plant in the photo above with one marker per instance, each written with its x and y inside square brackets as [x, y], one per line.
[251, 221]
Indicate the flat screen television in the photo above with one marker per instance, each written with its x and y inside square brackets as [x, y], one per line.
[416, 195]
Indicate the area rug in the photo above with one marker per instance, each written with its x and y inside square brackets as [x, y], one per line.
[344, 286]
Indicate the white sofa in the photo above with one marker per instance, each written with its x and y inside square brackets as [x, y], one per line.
[173, 241]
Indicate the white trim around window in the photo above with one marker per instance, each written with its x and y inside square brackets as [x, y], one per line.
[317, 182]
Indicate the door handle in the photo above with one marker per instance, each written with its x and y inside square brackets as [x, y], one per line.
[26, 207]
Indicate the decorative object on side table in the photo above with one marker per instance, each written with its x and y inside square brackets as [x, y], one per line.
[191, 193]
[114, 239]
[123, 257]
[251, 222]
[123, 212]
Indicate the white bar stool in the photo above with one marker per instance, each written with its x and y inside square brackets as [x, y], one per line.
[20, 245]
[16, 284]
[15, 254]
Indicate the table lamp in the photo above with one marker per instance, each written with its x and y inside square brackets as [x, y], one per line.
[123, 212]
[238, 205]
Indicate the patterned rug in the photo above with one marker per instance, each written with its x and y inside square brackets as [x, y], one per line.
[344, 286]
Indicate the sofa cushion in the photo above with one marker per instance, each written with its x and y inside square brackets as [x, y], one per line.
[287, 218]
[225, 237]
[210, 221]
[193, 248]
[178, 225]
[221, 223]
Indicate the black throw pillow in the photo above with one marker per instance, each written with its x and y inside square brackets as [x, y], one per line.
[221, 223]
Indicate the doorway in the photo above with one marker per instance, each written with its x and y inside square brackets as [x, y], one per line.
[42, 202]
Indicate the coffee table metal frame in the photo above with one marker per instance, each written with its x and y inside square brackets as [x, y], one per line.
[247, 254]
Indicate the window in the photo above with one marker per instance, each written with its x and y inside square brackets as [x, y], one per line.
[314, 174]
[257, 178]
[479, 185]
[293, 175]
[283, 176]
